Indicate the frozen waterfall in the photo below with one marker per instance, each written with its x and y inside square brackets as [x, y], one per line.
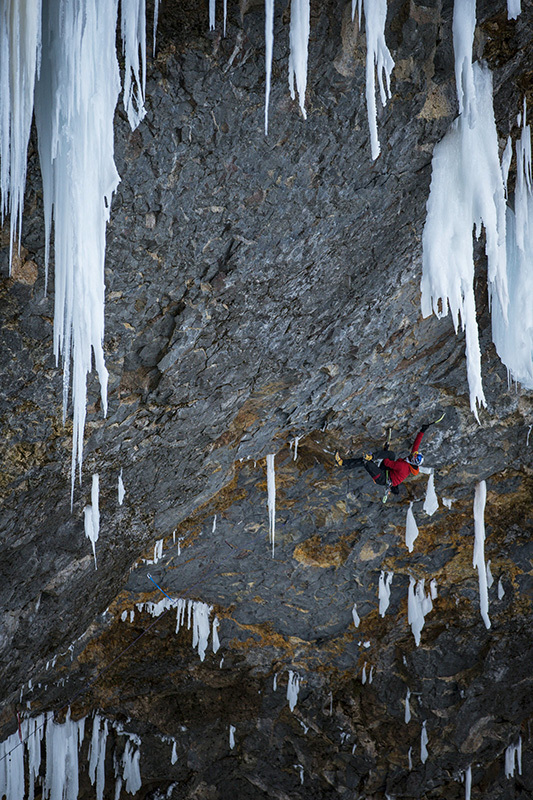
[60, 60]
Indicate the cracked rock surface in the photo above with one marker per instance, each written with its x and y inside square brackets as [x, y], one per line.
[262, 290]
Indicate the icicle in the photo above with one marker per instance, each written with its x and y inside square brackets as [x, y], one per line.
[97, 755]
[75, 100]
[355, 615]
[213, 529]
[513, 753]
[20, 46]
[232, 730]
[431, 502]
[506, 162]
[156, 20]
[411, 529]
[433, 588]
[363, 674]
[447, 502]
[215, 639]
[62, 743]
[293, 687]
[269, 47]
[121, 491]
[466, 190]
[418, 604]
[512, 334]
[275, 682]
[468, 782]
[212, 10]
[271, 491]
[12, 768]
[32, 733]
[174, 755]
[501, 590]
[514, 9]
[299, 41]
[464, 25]
[490, 579]
[423, 743]
[198, 619]
[133, 31]
[294, 443]
[384, 591]
[92, 517]
[131, 772]
[407, 716]
[410, 758]
[378, 58]
[479, 549]
[201, 628]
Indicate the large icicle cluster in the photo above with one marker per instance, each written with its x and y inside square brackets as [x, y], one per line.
[198, 616]
[513, 335]
[60, 60]
[61, 752]
[468, 190]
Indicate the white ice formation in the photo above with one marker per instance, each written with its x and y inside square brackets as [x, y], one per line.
[431, 502]
[198, 614]
[355, 616]
[468, 190]
[480, 497]
[384, 591]
[269, 47]
[419, 604]
[512, 334]
[378, 58]
[299, 40]
[59, 60]
[293, 687]
[271, 494]
[407, 716]
[468, 782]
[514, 9]
[20, 47]
[97, 750]
[92, 516]
[423, 743]
[232, 730]
[121, 490]
[513, 757]
[411, 529]
[61, 752]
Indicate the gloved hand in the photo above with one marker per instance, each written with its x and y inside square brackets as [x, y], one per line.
[424, 427]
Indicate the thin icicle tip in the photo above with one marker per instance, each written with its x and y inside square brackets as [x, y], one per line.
[299, 42]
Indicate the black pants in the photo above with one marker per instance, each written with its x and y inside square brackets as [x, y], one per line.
[378, 474]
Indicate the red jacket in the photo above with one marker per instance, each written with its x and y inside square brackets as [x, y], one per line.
[400, 469]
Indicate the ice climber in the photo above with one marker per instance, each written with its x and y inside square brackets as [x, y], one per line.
[384, 468]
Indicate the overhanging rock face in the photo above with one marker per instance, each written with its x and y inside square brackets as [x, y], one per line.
[261, 289]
